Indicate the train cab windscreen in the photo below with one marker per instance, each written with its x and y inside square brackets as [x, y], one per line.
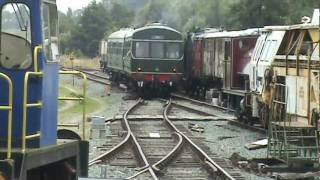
[15, 34]
[158, 50]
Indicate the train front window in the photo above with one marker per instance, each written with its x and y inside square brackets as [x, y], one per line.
[15, 35]
[173, 51]
[142, 50]
[50, 31]
[157, 50]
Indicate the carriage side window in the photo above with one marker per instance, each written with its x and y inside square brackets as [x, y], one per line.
[173, 51]
[142, 50]
[15, 35]
[157, 50]
[50, 32]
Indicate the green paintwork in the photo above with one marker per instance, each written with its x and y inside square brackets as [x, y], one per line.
[121, 48]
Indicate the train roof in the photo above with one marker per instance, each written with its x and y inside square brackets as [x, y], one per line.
[226, 34]
[291, 27]
[274, 28]
[122, 33]
[156, 26]
[129, 32]
[313, 24]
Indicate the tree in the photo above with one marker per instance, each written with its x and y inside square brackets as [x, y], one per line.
[257, 13]
[90, 30]
[121, 15]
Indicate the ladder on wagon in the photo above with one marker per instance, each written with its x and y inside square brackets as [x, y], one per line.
[287, 139]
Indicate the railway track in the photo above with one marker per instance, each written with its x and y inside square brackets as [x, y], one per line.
[92, 75]
[212, 110]
[188, 103]
[163, 150]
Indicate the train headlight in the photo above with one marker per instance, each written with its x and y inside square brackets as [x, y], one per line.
[139, 69]
[174, 70]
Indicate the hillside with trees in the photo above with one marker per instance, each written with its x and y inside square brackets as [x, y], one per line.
[82, 30]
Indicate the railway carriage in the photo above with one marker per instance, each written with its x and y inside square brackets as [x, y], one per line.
[221, 62]
[29, 149]
[151, 56]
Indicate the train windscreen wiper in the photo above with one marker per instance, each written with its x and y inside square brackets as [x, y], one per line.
[21, 21]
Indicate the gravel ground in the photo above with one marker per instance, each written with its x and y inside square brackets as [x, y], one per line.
[225, 139]
[222, 138]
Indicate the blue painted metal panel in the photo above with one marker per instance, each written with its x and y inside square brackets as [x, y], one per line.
[49, 110]
[45, 89]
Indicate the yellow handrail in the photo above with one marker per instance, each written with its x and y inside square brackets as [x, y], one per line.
[36, 57]
[8, 108]
[83, 98]
[26, 105]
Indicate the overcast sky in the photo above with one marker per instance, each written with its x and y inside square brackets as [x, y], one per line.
[74, 4]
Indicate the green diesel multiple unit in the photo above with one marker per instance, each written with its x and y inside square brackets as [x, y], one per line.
[148, 56]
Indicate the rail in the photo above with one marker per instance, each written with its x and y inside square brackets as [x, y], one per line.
[166, 160]
[91, 76]
[129, 136]
[81, 99]
[8, 108]
[116, 148]
[214, 167]
[27, 105]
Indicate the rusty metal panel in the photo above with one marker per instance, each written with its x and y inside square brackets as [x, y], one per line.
[197, 68]
[315, 36]
[302, 95]
[291, 82]
[297, 95]
[227, 63]
[208, 57]
[219, 57]
[242, 48]
[314, 90]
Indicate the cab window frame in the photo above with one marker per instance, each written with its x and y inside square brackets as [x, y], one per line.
[51, 55]
[31, 37]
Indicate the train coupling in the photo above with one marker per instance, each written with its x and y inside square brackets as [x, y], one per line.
[140, 84]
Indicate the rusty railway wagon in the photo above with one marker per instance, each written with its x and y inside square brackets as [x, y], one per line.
[285, 80]
[220, 61]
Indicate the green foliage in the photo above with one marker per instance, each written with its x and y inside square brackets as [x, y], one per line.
[82, 30]
[257, 13]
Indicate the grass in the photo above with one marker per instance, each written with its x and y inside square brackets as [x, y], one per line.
[81, 62]
[74, 108]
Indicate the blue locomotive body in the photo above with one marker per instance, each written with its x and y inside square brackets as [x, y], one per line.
[41, 89]
[29, 69]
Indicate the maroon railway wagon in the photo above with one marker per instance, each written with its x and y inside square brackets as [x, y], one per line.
[218, 67]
